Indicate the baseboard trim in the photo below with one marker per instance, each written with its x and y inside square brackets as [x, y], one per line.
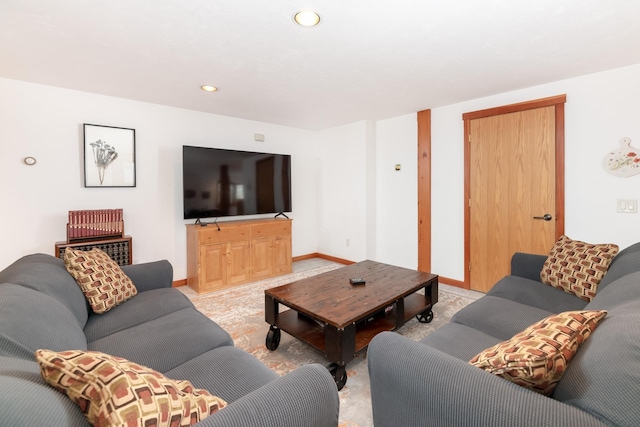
[178, 283]
[183, 282]
[323, 256]
[452, 282]
[441, 279]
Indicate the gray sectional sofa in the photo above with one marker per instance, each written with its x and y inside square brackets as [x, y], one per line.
[41, 306]
[431, 383]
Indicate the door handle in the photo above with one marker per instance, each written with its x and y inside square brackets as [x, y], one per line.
[546, 217]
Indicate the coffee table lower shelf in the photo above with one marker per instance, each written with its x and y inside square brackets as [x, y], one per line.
[313, 333]
[340, 346]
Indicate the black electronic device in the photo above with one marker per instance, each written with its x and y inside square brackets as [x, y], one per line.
[219, 182]
[357, 281]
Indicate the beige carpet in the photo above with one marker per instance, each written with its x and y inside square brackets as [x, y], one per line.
[240, 311]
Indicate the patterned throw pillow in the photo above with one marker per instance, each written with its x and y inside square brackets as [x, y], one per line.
[537, 357]
[577, 267]
[112, 391]
[101, 279]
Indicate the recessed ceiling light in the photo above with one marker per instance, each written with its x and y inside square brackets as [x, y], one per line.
[209, 88]
[307, 18]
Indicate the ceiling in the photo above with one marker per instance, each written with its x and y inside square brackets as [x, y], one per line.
[367, 60]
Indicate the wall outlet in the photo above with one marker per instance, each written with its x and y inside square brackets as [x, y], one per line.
[628, 205]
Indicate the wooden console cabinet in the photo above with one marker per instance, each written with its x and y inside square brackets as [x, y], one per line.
[237, 253]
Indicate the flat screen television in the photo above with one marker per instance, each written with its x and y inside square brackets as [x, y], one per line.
[219, 182]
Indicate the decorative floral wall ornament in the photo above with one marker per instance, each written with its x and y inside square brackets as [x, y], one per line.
[623, 162]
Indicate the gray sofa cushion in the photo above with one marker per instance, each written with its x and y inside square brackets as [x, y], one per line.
[187, 332]
[459, 341]
[27, 400]
[417, 385]
[499, 317]
[48, 275]
[617, 293]
[536, 294]
[30, 320]
[228, 372]
[150, 275]
[527, 265]
[603, 376]
[627, 261]
[305, 397]
[141, 308]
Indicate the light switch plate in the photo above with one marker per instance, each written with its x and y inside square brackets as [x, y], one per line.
[628, 205]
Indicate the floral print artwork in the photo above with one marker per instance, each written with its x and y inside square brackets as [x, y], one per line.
[623, 162]
[103, 155]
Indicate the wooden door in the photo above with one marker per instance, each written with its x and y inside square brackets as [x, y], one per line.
[512, 186]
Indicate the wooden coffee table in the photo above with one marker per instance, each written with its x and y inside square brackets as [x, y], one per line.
[339, 319]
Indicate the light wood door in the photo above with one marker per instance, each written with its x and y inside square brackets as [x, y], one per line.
[512, 178]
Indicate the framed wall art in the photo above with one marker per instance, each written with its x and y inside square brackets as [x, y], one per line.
[623, 162]
[109, 156]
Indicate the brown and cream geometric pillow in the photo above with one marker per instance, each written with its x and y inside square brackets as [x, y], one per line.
[101, 279]
[537, 357]
[112, 391]
[577, 267]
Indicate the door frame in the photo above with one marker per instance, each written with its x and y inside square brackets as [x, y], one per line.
[556, 101]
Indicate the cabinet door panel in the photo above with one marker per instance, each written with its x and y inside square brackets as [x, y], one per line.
[282, 254]
[239, 252]
[238, 262]
[213, 267]
[262, 257]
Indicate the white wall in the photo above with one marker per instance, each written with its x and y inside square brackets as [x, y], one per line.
[348, 201]
[342, 190]
[601, 108]
[46, 123]
[397, 191]
[363, 199]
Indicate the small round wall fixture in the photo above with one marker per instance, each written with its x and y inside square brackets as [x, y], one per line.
[29, 161]
[306, 18]
[208, 88]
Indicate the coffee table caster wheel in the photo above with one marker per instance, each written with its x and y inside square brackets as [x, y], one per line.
[422, 318]
[273, 338]
[339, 373]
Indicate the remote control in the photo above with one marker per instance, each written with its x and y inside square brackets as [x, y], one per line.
[357, 281]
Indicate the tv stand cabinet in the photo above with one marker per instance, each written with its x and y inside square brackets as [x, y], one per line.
[239, 252]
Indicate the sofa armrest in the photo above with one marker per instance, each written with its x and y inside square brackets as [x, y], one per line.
[413, 384]
[528, 266]
[306, 397]
[150, 275]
